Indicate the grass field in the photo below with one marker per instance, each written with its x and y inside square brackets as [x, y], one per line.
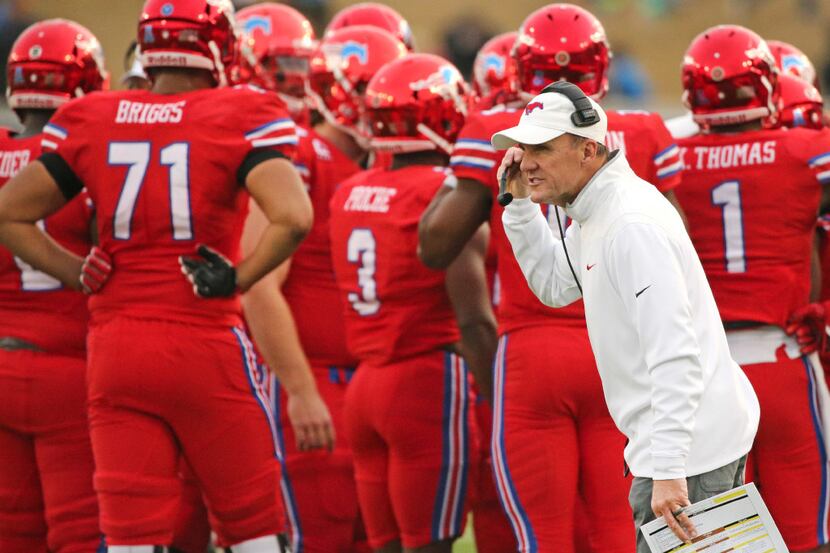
[465, 544]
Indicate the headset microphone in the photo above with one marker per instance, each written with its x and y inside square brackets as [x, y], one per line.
[505, 197]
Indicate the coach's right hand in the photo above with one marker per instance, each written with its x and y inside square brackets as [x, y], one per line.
[311, 420]
[510, 163]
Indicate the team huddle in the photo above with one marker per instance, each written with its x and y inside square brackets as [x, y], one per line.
[266, 298]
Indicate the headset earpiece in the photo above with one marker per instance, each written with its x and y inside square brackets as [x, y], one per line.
[585, 114]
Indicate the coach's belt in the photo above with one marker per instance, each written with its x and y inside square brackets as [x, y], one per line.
[10, 343]
[760, 344]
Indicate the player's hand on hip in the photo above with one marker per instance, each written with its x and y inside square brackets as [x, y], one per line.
[668, 497]
[311, 421]
[211, 274]
[510, 163]
[808, 325]
[95, 271]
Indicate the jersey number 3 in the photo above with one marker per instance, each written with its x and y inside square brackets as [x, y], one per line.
[361, 249]
[136, 156]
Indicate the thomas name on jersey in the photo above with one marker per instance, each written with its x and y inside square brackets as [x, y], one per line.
[730, 155]
[12, 162]
[148, 113]
[374, 199]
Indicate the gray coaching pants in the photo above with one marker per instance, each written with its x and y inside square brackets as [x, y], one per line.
[701, 486]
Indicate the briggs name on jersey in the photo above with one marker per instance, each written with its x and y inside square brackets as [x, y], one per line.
[12, 162]
[142, 112]
[729, 155]
[374, 199]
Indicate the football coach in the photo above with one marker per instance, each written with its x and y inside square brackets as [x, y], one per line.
[687, 409]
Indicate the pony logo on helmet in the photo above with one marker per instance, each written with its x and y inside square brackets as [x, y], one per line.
[52, 62]
[496, 63]
[533, 106]
[729, 77]
[167, 10]
[257, 23]
[350, 49]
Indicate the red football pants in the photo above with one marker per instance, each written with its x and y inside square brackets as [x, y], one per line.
[554, 443]
[318, 486]
[47, 502]
[410, 426]
[159, 390]
[788, 461]
[492, 530]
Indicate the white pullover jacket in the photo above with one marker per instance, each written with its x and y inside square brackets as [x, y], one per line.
[667, 375]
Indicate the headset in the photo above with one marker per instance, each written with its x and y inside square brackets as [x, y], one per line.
[584, 115]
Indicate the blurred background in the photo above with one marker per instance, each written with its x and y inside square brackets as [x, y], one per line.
[648, 37]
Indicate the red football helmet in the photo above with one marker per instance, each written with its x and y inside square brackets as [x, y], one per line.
[791, 60]
[416, 103]
[729, 77]
[347, 59]
[374, 15]
[52, 62]
[562, 42]
[495, 78]
[800, 103]
[199, 34]
[276, 45]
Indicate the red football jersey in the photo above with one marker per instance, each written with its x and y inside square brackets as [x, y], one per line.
[395, 306]
[165, 173]
[310, 289]
[650, 152]
[34, 306]
[752, 199]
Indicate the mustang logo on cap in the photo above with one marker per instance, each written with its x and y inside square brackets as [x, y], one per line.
[532, 106]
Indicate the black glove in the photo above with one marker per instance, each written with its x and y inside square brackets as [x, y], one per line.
[213, 276]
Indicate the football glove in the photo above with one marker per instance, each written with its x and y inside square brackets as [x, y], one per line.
[95, 271]
[808, 325]
[212, 275]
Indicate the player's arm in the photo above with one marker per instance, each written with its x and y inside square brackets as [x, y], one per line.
[450, 221]
[29, 197]
[277, 189]
[272, 325]
[467, 289]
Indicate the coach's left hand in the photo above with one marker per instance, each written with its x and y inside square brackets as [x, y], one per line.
[668, 497]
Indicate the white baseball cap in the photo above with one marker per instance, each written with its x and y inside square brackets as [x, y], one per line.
[546, 117]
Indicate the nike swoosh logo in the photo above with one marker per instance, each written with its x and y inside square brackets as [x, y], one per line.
[589, 267]
[637, 295]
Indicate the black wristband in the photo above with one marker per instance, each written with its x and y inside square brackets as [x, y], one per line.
[254, 158]
[64, 176]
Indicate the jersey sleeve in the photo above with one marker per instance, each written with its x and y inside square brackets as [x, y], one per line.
[62, 145]
[667, 166]
[818, 151]
[473, 157]
[268, 132]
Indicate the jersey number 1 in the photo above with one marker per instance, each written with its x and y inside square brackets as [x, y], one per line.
[136, 156]
[727, 195]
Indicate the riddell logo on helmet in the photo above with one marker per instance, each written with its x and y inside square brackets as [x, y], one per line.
[175, 60]
[533, 106]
